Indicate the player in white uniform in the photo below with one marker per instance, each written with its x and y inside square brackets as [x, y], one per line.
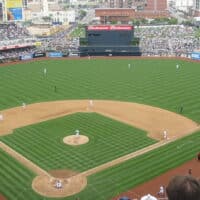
[77, 133]
[161, 191]
[1, 117]
[58, 184]
[165, 135]
[45, 71]
[23, 105]
[91, 104]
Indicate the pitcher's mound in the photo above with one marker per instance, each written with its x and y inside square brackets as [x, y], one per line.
[75, 140]
[70, 184]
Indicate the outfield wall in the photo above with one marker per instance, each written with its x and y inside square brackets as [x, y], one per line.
[44, 56]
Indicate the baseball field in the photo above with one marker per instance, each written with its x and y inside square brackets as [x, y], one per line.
[120, 107]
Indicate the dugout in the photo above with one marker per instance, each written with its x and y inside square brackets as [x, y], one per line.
[112, 40]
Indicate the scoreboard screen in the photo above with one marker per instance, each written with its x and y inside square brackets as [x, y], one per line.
[109, 35]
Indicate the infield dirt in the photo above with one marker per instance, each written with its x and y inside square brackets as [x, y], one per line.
[151, 119]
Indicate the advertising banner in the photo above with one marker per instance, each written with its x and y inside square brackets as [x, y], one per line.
[110, 28]
[38, 43]
[195, 55]
[14, 4]
[55, 54]
[39, 54]
[14, 10]
[14, 14]
[26, 57]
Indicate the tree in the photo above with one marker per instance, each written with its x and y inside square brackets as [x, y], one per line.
[173, 21]
[82, 14]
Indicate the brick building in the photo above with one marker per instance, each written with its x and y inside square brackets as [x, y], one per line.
[156, 5]
[126, 10]
[123, 15]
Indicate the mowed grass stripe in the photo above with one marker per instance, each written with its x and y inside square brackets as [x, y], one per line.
[109, 139]
[155, 82]
[14, 177]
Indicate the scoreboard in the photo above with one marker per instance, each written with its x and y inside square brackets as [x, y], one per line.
[109, 40]
[109, 35]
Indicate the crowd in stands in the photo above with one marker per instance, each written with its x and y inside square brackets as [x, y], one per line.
[174, 40]
[13, 34]
[60, 41]
[12, 31]
[16, 53]
[163, 40]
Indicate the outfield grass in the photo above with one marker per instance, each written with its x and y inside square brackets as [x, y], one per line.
[109, 139]
[152, 82]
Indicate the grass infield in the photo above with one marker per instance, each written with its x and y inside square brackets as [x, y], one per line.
[109, 139]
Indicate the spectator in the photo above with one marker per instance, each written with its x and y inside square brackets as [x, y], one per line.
[183, 188]
[165, 40]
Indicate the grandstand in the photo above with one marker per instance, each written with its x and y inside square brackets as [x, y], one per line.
[16, 41]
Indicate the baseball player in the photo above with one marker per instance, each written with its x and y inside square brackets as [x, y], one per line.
[181, 109]
[77, 133]
[23, 105]
[45, 71]
[55, 88]
[161, 191]
[91, 104]
[58, 184]
[165, 135]
[1, 117]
